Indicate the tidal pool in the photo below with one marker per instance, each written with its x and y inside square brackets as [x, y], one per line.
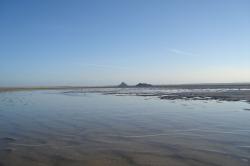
[50, 128]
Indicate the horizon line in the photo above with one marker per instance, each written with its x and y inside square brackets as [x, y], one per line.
[129, 85]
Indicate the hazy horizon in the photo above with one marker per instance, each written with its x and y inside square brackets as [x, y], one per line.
[84, 43]
[130, 85]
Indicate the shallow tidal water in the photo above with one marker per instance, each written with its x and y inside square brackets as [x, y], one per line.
[51, 128]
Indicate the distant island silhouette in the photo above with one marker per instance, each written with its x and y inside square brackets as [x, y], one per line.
[139, 85]
[123, 85]
[143, 85]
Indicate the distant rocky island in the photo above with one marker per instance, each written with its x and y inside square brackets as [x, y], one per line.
[139, 85]
[123, 85]
[143, 85]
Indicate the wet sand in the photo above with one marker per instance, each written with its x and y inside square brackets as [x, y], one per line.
[49, 128]
[230, 95]
[198, 93]
[222, 92]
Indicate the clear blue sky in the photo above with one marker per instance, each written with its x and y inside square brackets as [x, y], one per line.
[77, 42]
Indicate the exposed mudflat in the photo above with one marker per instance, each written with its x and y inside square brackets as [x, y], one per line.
[174, 93]
[223, 92]
[230, 95]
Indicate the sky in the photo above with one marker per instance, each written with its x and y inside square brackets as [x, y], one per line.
[105, 42]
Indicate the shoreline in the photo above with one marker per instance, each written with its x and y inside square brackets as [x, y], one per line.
[235, 92]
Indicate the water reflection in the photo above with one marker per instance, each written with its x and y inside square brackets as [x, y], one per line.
[54, 128]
